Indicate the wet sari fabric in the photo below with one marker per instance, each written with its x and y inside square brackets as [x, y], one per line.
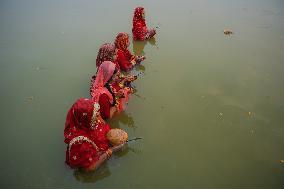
[124, 57]
[85, 133]
[98, 91]
[139, 27]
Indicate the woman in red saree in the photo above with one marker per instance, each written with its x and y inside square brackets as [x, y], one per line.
[107, 87]
[100, 93]
[86, 134]
[121, 87]
[124, 58]
[139, 28]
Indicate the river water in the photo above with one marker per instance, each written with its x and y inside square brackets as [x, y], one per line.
[209, 107]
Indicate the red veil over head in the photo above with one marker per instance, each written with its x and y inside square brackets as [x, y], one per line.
[138, 15]
[84, 134]
[139, 28]
[78, 120]
[83, 120]
[122, 41]
[104, 73]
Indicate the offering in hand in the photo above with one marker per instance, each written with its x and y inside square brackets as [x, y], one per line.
[139, 58]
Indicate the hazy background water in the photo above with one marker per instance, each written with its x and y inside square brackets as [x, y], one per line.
[209, 107]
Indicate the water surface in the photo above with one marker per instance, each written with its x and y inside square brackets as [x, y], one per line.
[209, 107]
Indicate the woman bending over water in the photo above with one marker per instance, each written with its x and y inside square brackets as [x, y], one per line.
[99, 91]
[88, 136]
[124, 58]
[139, 28]
[107, 90]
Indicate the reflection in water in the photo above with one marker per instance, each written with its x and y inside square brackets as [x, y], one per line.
[135, 150]
[103, 171]
[93, 176]
[138, 46]
[138, 49]
[152, 41]
[121, 153]
[123, 118]
[140, 68]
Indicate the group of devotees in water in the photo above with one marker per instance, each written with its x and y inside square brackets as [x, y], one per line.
[90, 140]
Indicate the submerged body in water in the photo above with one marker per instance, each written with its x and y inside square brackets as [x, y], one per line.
[126, 60]
[139, 28]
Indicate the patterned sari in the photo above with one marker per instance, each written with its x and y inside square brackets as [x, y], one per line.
[85, 133]
[139, 27]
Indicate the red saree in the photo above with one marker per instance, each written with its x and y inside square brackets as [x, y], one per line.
[85, 133]
[123, 59]
[139, 27]
[123, 55]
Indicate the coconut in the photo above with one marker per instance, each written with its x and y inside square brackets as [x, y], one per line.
[117, 136]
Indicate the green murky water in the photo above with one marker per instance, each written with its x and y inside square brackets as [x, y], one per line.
[209, 107]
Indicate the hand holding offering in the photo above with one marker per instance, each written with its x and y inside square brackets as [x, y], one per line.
[120, 94]
[139, 58]
[131, 78]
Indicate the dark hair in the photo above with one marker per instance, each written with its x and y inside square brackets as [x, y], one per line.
[107, 85]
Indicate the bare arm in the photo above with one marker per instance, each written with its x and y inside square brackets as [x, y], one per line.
[117, 148]
[104, 157]
[98, 163]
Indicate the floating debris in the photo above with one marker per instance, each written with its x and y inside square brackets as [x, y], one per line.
[282, 161]
[39, 68]
[220, 114]
[249, 114]
[228, 32]
[30, 98]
